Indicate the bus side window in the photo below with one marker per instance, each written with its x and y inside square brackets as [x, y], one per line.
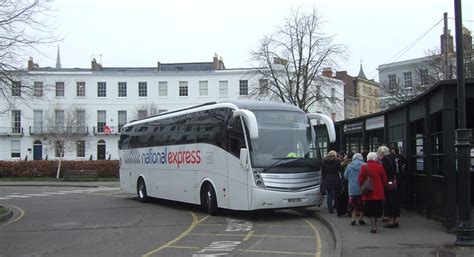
[236, 137]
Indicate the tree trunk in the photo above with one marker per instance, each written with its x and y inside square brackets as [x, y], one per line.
[59, 166]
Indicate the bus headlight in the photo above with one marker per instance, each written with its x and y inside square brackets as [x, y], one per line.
[258, 179]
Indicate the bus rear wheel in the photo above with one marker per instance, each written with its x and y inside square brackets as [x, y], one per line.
[141, 191]
[209, 200]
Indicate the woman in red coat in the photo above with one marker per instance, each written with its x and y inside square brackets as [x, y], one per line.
[373, 201]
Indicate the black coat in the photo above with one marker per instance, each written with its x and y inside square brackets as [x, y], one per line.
[330, 173]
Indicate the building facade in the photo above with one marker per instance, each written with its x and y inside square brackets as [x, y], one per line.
[80, 112]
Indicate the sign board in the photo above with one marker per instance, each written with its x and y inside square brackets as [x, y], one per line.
[353, 127]
[374, 123]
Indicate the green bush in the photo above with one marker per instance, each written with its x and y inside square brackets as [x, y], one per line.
[104, 168]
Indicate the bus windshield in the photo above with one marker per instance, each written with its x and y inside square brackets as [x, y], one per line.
[284, 137]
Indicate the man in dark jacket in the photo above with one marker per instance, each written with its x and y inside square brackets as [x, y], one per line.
[331, 178]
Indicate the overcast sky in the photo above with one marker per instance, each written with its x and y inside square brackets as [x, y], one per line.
[139, 33]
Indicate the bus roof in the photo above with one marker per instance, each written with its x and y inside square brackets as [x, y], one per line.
[235, 104]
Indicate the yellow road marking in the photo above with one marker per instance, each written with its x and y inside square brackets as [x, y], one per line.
[22, 213]
[248, 236]
[252, 235]
[196, 221]
[275, 252]
[256, 225]
[318, 238]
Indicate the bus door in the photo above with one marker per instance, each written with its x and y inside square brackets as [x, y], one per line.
[237, 175]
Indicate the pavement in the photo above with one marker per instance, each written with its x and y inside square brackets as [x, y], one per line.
[417, 236]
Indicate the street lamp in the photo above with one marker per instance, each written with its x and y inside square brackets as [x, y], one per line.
[465, 230]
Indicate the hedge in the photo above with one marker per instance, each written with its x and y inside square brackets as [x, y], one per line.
[105, 168]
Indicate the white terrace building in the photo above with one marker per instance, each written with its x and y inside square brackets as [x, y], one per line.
[83, 110]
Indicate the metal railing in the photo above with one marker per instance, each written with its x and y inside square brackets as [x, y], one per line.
[11, 131]
[75, 130]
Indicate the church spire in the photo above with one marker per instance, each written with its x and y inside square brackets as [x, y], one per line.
[361, 72]
[58, 60]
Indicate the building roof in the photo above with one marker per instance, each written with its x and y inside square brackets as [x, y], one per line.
[361, 73]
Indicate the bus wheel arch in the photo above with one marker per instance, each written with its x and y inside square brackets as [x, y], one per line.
[209, 198]
[141, 190]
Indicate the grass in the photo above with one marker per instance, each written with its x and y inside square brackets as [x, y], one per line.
[51, 179]
[3, 210]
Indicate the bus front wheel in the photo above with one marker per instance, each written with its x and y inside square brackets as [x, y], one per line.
[209, 200]
[141, 191]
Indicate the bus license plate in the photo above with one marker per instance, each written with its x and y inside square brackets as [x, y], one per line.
[293, 200]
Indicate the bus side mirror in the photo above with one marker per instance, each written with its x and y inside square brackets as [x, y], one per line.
[244, 158]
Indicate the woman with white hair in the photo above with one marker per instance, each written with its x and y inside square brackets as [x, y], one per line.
[373, 200]
[355, 200]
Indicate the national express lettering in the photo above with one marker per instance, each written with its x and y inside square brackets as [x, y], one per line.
[177, 157]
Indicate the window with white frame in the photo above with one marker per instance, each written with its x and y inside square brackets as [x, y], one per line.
[16, 88]
[162, 88]
[16, 121]
[333, 95]
[15, 149]
[142, 114]
[59, 89]
[37, 121]
[424, 77]
[122, 89]
[223, 88]
[81, 121]
[59, 148]
[101, 89]
[38, 88]
[203, 88]
[80, 148]
[59, 120]
[81, 89]
[243, 87]
[183, 88]
[142, 89]
[263, 86]
[122, 120]
[101, 121]
[392, 81]
[407, 79]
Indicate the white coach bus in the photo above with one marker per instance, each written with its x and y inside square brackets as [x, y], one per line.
[239, 155]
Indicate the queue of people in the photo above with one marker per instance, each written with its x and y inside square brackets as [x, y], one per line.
[344, 178]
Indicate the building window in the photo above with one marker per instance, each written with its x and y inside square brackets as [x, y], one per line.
[162, 111]
[333, 95]
[59, 120]
[59, 89]
[81, 89]
[16, 88]
[59, 148]
[80, 148]
[163, 88]
[203, 88]
[392, 82]
[223, 88]
[142, 114]
[38, 88]
[101, 89]
[364, 106]
[142, 89]
[122, 89]
[263, 86]
[101, 121]
[37, 122]
[16, 121]
[183, 88]
[81, 121]
[243, 87]
[407, 79]
[122, 120]
[15, 149]
[424, 77]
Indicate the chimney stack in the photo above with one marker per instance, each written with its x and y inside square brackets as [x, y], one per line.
[95, 66]
[215, 62]
[327, 72]
[450, 43]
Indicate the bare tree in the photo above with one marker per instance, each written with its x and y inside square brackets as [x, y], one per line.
[23, 27]
[66, 130]
[292, 59]
[145, 110]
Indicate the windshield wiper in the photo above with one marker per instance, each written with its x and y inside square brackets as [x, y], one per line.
[278, 162]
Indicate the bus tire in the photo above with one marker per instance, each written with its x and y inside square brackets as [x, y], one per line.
[141, 191]
[209, 200]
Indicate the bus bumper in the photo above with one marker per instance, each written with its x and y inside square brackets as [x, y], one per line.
[266, 199]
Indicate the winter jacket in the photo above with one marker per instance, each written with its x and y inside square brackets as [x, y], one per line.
[330, 173]
[379, 180]
[352, 174]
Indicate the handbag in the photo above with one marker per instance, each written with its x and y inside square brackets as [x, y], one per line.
[391, 184]
[367, 186]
